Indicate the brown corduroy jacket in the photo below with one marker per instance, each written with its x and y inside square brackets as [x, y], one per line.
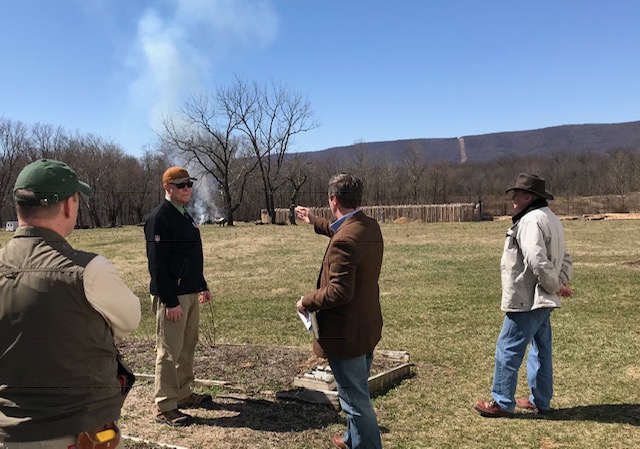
[347, 299]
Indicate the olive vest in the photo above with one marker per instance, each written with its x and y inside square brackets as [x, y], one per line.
[58, 365]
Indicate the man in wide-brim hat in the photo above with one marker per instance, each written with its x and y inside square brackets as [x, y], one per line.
[536, 270]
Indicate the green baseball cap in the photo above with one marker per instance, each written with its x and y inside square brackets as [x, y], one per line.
[51, 181]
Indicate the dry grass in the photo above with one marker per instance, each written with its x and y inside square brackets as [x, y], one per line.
[440, 296]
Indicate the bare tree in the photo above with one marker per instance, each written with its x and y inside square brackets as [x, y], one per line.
[117, 188]
[148, 176]
[14, 142]
[362, 166]
[89, 155]
[439, 178]
[207, 134]
[385, 178]
[416, 166]
[47, 141]
[622, 173]
[297, 175]
[269, 118]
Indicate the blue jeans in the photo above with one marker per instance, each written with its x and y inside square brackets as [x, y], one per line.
[352, 380]
[518, 330]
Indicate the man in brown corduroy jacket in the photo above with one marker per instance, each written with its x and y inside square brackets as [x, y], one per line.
[347, 305]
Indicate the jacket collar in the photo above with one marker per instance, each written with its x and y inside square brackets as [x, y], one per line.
[179, 208]
[336, 224]
[44, 233]
[533, 205]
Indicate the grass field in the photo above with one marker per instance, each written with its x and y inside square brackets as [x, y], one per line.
[440, 289]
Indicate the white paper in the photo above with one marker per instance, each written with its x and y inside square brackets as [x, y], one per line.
[306, 320]
[310, 323]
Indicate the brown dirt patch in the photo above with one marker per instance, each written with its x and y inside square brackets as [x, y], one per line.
[245, 414]
[250, 368]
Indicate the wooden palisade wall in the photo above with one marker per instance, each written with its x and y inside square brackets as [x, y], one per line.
[425, 213]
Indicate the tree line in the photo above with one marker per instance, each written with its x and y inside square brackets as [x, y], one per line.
[125, 187]
[582, 183]
[238, 142]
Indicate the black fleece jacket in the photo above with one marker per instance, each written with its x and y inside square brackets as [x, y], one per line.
[174, 251]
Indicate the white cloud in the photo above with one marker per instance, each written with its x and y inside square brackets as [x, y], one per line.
[168, 66]
[177, 49]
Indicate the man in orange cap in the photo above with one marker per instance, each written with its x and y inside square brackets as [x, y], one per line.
[178, 286]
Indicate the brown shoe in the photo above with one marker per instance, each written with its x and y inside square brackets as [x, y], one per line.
[338, 440]
[173, 418]
[195, 400]
[491, 409]
[526, 404]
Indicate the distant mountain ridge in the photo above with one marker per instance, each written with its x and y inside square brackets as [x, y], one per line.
[589, 138]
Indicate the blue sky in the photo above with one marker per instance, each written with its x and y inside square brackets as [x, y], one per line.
[373, 70]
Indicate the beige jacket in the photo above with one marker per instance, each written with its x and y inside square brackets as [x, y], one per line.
[535, 263]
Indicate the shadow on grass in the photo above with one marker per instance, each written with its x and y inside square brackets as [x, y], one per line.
[604, 413]
[393, 384]
[273, 416]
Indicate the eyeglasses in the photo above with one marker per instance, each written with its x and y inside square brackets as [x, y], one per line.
[182, 185]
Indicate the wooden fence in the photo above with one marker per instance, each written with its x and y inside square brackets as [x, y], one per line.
[425, 213]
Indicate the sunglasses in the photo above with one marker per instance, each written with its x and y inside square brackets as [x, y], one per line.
[182, 185]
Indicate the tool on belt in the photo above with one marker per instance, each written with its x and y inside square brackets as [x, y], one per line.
[104, 437]
[108, 435]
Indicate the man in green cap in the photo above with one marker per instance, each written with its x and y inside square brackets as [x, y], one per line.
[60, 310]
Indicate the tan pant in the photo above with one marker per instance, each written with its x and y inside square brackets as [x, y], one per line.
[68, 442]
[175, 348]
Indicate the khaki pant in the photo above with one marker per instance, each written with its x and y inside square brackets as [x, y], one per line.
[68, 442]
[175, 348]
